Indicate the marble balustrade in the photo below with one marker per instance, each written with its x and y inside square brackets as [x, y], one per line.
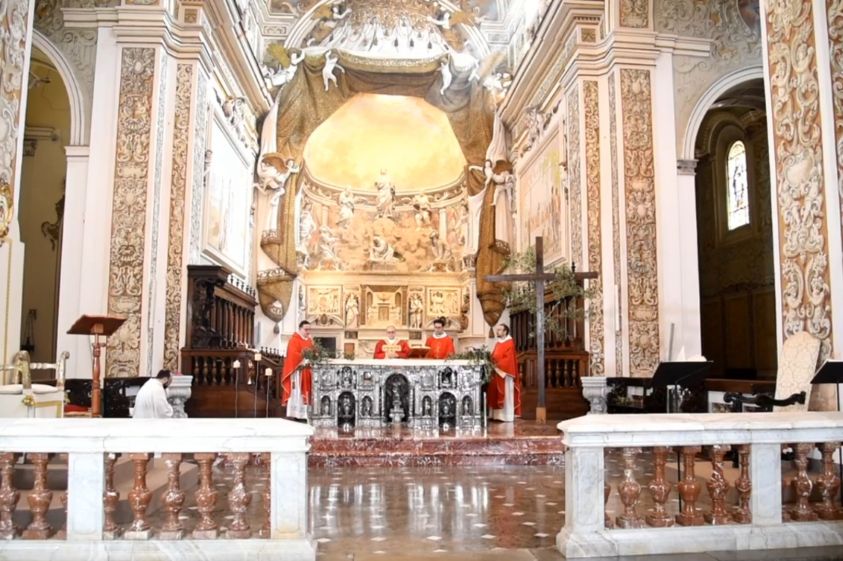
[696, 501]
[272, 451]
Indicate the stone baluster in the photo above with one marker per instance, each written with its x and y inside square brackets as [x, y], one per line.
[689, 489]
[239, 497]
[743, 485]
[62, 533]
[173, 499]
[110, 499]
[630, 491]
[9, 496]
[802, 485]
[717, 487]
[607, 520]
[660, 490]
[139, 498]
[39, 500]
[829, 484]
[266, 528]
[206, 499]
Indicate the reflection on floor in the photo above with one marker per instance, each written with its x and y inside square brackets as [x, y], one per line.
[435, 510]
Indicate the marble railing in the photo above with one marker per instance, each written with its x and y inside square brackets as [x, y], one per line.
[674, 493]
[260, 461]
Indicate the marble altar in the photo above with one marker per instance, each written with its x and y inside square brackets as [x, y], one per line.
[422, 393]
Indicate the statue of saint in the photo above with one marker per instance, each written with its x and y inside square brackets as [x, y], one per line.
[382, 251]
[346, 204]
[386, 195]
[352, 310]
[504, 184]
[421, 204]
[416, 311]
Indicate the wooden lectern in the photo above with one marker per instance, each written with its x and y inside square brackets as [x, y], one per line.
[98, 326]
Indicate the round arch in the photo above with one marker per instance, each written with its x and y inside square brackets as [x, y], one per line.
[718, 88]
[74, 92]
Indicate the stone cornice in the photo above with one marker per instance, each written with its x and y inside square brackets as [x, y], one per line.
[542, 61]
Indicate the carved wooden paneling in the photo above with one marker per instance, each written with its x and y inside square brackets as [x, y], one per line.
[800, 185]
[592, 163]
[640, 212]
[178, 187]
[128, 222]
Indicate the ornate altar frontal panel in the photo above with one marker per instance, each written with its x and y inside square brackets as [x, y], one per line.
[421, 393]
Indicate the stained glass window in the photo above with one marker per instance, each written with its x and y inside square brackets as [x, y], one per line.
[737, 197]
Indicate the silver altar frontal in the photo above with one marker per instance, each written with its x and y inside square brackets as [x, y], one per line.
[423, 393]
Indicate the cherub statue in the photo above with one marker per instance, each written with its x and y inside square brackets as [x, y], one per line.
[273, 180]
[331, 62]
[447, 76]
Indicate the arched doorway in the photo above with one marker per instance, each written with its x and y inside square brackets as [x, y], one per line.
[735, 235]
[47, 133]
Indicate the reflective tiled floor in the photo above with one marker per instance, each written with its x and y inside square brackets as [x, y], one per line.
[435, 510]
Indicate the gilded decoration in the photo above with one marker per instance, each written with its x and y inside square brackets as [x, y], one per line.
[178, 188]
[616, 222]
[635, 13]
[797, 137]
[128, 222]
[574, 175]
[201, 168]
[835, 45]
[641, 235]
[592, 164]
[13, 24]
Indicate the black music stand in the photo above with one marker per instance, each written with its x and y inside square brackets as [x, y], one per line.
[678, 374]
[831, 372]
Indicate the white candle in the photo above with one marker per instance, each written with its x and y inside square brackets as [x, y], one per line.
[268, 372]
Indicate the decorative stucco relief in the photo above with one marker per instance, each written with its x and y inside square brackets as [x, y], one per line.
[591, 109]
[14, 17]
[201, 167]
[128, 222]
[79, 46]
[574, 175]
[835, 45]
[734, 29]
[178, 188]
[616, 221]
[800, 185]
[635, 13]
[641, 234]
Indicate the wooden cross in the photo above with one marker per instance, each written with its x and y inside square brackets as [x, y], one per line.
[539, 277]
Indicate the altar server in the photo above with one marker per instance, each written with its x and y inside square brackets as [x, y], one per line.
[441, 344]
[296, 374]
[392, 346]
[151, 401]
[504, 392]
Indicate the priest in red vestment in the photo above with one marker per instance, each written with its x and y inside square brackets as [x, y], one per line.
[295, 381]
[504, 391]
[440, 343]
[392, 346]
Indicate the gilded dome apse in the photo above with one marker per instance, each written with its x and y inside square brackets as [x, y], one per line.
[409, 138]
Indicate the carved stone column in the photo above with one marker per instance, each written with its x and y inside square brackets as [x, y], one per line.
[139, 498]
[802, 484]
[9, 496]
[265, 462]
[717, 487]
[829, 484]
[630, 491]
[110, 499]
[173, 499]
[689, 489]
[39, 500]
[660, 489]
[594, 391]
[742, 514]
[206, 499]
[239, 498]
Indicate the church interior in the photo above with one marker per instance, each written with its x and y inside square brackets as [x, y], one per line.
[431, 279]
